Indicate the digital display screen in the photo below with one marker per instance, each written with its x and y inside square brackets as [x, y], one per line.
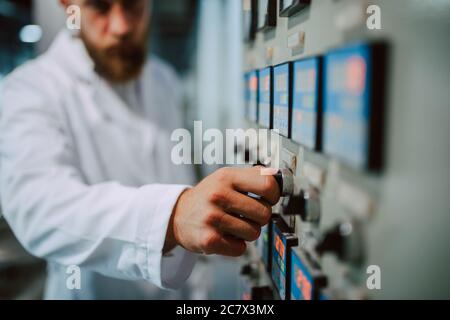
[267, 14]
[251, 96]
[281, 257]
[347, 108]
[290, 7]
[306, 103]
[281, 98]
[265, 98]
[306, 278]
[302, 283]
[249, 20]
[263, 6]
[284, 4]
[279, 262]
[247, 25]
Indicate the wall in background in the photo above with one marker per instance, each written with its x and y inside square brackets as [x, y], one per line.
[50, 16]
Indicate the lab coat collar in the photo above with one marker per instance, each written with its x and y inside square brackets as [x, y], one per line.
[69, 51]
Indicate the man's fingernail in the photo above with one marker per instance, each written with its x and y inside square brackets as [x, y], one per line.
[268, 171]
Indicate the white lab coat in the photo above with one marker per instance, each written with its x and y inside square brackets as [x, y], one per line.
[87, 180]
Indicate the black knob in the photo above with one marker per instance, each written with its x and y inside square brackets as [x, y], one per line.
[285, 180]
[306, 204]
[333, 241]
[345, 241]
[279, 178]
[246, 270]
[295, 205]
[250, 270]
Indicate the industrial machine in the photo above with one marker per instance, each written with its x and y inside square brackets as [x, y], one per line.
[356, 93]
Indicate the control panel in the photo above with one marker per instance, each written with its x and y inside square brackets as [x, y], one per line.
[338, 96]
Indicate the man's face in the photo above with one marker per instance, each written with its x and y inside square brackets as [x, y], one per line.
[115, 35]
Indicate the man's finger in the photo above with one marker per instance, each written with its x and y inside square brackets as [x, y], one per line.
[237, 203]
[228, 245]
[253, 180]
[239, 228]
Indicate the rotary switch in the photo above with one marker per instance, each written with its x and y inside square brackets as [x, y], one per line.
[285, 180]
[306, 204]
[345, 240]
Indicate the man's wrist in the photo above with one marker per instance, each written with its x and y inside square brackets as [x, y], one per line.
[171, 241]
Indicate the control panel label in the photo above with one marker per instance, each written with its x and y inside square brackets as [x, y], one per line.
[281, 99]
[265, 98]
[306, 107]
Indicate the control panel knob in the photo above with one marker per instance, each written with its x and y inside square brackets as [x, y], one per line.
[285, 180]
[345, 240]
[250, 270]
[306, 204]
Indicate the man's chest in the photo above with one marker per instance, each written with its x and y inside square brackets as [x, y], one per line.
[113, 141]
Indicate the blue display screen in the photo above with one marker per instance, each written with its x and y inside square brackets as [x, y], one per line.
[302, 284]
[251, 96]
[347, 107]
[279, 261]
[305, 102]
[281, 99]
[265, 97]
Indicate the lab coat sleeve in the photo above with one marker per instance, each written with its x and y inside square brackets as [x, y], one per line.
[109, 228]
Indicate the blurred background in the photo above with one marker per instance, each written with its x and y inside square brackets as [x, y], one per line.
[178, 36]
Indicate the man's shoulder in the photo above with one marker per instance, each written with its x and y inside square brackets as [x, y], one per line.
[38, 75]
[35, 85]
[31, 73]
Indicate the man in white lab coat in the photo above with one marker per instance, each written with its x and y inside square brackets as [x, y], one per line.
[86, 176]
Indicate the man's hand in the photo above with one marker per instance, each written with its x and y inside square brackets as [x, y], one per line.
[217, 217]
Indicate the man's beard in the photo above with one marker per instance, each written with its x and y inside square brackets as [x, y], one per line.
[121, 63]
